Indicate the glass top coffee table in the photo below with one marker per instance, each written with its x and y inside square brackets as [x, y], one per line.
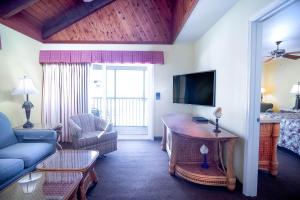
[75, 161]
[44, 185]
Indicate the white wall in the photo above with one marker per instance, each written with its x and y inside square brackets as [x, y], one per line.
[19, 56]
[225, 48]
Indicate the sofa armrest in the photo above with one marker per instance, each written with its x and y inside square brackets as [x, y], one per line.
[74, 129]
[31, 135]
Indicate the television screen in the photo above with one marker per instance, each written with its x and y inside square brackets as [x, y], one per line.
[196, 88]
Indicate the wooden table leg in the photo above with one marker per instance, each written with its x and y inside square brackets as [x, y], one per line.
[89, 178]
[94, 175]
[231, 182]
[173, 156]
[164, 139]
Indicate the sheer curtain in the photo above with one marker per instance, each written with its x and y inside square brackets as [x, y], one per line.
[65, 93]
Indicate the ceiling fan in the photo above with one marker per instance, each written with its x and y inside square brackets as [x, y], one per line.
[277, 53]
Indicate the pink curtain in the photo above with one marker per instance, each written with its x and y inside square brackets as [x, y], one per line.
[65, 88]
[132, 57]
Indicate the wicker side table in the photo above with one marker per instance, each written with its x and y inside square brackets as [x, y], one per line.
[182, 139]
[268, 138]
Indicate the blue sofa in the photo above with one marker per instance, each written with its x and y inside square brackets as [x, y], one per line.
[22, 150]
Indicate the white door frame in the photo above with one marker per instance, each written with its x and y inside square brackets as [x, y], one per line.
[253, 104]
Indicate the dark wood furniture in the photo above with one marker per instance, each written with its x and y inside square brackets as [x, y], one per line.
[269, 133]
[44, 185]
[182, 139]
[57, 128]
[74, 161]
[66, 21]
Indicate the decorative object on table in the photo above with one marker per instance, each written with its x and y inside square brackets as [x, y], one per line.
[296, 90]
[200, 120]
[217, 113]
[204, 152]
[29, 182]
[26, 87]
[262, 92]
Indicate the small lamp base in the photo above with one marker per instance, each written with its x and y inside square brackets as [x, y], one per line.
[28, 125]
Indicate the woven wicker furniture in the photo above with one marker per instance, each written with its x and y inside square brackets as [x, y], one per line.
[48, 185]
[182, 139]
[269, 133]
[92, 133]
[74, 161]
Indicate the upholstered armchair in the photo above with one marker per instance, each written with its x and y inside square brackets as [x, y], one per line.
[92, 133]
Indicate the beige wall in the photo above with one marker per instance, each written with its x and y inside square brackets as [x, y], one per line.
[225, 48]
[18, 57]
[278, 78]
[179, 59]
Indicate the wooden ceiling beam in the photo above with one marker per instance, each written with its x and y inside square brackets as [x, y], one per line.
[9, 8]
[71, 16]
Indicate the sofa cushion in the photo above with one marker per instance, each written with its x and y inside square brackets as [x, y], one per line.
[96, 137]
[7, 136]
[10, 168]
[30, 153]
[90, 138]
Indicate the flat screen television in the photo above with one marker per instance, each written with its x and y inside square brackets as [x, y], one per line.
[197, 88]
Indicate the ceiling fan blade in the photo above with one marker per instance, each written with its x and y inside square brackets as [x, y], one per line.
[294, 52]
[268, 60]
[289, 56]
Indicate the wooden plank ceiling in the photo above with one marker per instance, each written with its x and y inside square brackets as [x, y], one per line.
[100, 21]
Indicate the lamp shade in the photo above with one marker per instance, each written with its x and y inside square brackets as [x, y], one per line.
[295, 89]
[25, 86]
[262, 90]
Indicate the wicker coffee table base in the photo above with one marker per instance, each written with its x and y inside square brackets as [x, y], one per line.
[83, 161]
[89, 178]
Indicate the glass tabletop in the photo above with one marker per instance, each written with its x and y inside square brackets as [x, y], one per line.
[43, 185]
[66, 160]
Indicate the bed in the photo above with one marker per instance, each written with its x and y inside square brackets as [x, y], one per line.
[289, 130]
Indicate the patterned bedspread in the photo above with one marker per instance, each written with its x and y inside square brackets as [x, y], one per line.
[289, 130]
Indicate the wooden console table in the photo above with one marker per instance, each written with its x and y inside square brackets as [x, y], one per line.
[269, 133]
[182, 139]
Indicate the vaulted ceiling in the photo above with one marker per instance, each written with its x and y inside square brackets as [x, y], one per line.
[99, 21]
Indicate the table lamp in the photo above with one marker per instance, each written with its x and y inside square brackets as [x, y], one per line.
[26, 87]
[262, 91]
[296, 90]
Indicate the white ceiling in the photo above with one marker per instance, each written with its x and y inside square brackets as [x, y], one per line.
[283, 26]
[205, 15]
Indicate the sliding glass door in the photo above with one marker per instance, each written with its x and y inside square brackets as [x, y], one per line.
[120, 94]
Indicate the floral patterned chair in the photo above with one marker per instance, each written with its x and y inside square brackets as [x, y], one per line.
[92, 133]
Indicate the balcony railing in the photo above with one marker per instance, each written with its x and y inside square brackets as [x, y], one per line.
[123, 111]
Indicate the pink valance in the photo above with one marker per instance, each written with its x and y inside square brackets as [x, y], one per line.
[63, 56]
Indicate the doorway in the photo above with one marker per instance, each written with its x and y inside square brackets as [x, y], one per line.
[254, 93]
